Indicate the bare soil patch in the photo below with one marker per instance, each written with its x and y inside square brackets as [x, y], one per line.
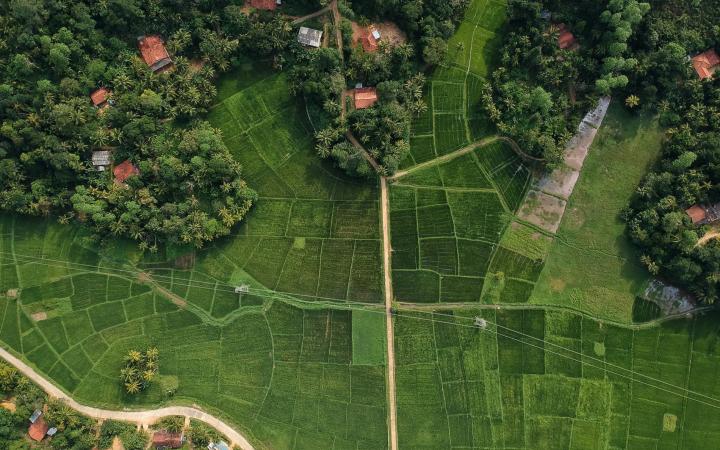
[12, 293]
[557, 284]
[389, 33]
[560, 182]
[117, 444]
[9, 405]
[543, 210]
[196, 64]
[38, 316]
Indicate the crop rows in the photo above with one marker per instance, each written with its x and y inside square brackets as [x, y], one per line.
[446, 222]
[561, 384]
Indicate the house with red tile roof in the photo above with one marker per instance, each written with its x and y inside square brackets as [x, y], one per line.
[38, 429]
[125, 170]
[152, 48]
[100, 97]
[706, 63]
[566, 40]
[163, 440]
[267, 5]
[364, 97]
[702, 214]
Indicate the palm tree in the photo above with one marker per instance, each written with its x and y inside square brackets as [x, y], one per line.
[632, 101]
[132, 387]
[133, 356]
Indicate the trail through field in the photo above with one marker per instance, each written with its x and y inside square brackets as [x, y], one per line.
[141, 417]
[462, 151]
[385, 206]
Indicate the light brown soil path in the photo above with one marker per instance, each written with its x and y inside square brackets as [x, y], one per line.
[141, 417]
[353, 140]
[712, 234]
[392, 406]
[319, 12]
[462, 151]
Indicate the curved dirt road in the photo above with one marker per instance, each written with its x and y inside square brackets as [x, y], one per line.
[145, 417]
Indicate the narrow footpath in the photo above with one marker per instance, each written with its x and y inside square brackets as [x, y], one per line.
[140, 417]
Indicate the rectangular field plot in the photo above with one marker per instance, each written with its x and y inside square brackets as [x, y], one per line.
[448, 97]
[450, 132]
[422, 148]
[569, 407]
[368, 337]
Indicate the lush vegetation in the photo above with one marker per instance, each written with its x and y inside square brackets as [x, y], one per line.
[189, 191]
[552, 380]
[687, 172]
[383, 129]
[140, 369]
[540, 91]
[592, 265]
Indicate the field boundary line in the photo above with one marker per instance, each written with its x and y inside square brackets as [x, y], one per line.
[141, 417]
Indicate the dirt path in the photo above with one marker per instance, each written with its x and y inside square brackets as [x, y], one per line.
[712, 234]
[319, 12]
[143, 417]
[444, 158]
[364, 152]
[392, 405]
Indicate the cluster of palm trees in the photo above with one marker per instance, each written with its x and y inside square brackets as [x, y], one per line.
[140, 369]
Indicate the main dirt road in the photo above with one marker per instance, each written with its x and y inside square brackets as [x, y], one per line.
[144, 417]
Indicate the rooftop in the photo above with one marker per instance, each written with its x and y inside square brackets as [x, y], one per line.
[269, 5]
[38, 429]
[706, 63]
[310, 37]
[365, 97]
[125, 170]
[154, 53]
[100, 96]
[165, 439]
[566, 40]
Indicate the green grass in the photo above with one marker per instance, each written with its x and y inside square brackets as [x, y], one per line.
[592, 266]
[368, 337]
[285, 376]
[461, 387]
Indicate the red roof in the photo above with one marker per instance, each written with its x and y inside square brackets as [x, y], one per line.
[100, 96]
[153, 52]
[696, 213]
[38, 429]
[164, 439]
[365, 97]
[263, 4]
[124, 170]
[706, 63]
[566, 40]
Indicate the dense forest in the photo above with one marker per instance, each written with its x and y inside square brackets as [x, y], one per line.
[184, 187]
[688, 172]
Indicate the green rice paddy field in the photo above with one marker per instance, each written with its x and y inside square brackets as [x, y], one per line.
[298, 362]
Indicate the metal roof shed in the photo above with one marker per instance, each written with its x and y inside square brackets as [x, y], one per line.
[310, 37]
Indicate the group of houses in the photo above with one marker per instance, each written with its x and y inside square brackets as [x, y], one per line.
[153, 52]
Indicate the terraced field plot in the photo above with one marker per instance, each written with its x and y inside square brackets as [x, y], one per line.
[558, 382]
[453, 118]
[288, 377]
[314, 233]
[446, 223]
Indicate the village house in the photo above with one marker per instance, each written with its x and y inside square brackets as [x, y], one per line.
[706, 63]
[700, 214]
[364, 97]
[101, 98]
[38, 426]
[267, 5]
[310, 37]
[101, 159]
[164, 440]
[566, 40]
[124, 170]
[153, 51]
[368, 38]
